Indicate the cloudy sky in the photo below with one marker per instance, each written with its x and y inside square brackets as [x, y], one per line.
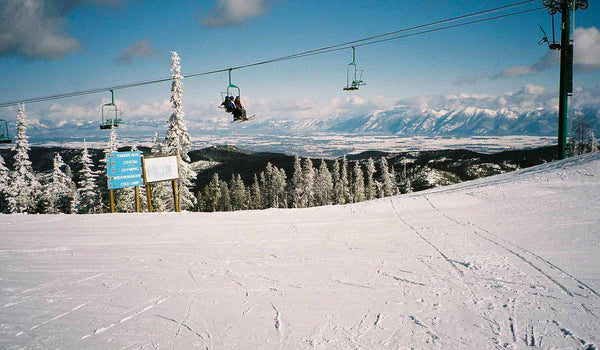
[50, 47]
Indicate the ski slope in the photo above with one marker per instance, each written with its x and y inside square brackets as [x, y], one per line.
[511, 261]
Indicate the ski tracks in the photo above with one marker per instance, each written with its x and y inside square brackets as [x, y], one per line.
[576, 293]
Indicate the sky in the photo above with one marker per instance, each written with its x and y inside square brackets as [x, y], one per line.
[55, 46]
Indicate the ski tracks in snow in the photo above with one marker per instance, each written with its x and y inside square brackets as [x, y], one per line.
[530, 319]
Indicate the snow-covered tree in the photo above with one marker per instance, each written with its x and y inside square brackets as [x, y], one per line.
[338, 186]
[296, 184]
[24, 188]
[212, 194]
[279, 186]
[255, 200]
[178, 140]
[386, 178]
[358, 184]
[59, 194]
[4, 186]
[102, 182]
[89, 201]
[239, 196]
[405, 183]
[371, 187]
[347, 198]
[308, 182]
[157, 146]
[225, 198]
[323, 185]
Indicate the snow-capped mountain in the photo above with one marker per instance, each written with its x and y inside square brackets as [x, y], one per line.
[460, 122]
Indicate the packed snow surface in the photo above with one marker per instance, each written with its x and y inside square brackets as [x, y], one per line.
[511, 261]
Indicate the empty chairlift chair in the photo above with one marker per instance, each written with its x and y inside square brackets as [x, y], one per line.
[110, 114]
[353, 75]
[4, 137]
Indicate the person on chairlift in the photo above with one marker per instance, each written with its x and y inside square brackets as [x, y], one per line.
[238, 106]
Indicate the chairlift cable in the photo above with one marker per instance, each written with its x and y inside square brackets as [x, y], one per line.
[327, 49]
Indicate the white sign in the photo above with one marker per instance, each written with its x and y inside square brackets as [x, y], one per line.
[160, 169]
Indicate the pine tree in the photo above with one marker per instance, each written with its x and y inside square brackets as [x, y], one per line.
[225, 198]
[89, 201]
[59, 194]
[239, 197]
[279, 185]
[296, 184]
[212, 193]
[255, 201]
[371, 188]
[4, 186]
[338, 187]
[308, 182]
[323, 185]
[386, 179]
[345, 182]
[24, 189]
[266, 187]
[405, 183]
[178, 140]
[102, 181]
[358, 184]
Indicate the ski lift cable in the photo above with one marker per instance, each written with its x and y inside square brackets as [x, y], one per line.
[327, 49]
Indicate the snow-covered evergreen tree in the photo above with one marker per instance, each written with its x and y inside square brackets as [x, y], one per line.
[338, 186]
[405, 183]
[279, 185]
[239, 197]
[89, 201]
[358, 184]
[59, 194]
[102, 181]
[178, 140]
[386, 178]
[4, 186]
[212, 194]
[266, 187]
[296, 184]
[308, 182]
[371, 187]
[255, 201]
[24, 189]
[323, 185]
[225, 200]
[345, 181]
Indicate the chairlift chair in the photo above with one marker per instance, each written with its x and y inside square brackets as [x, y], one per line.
[4, 137]
[230, 89]
[110, 114]
[353, 73]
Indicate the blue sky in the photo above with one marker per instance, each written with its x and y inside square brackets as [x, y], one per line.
[60, 46]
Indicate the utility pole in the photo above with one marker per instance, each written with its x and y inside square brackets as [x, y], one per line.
[565, 89]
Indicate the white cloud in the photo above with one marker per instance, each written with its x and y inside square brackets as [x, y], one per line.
[586, 53]
[587, 49]
[137, 50]
[36, 28]
[232, 12]
[534, 89]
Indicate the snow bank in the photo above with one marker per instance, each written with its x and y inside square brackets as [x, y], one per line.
[509, 261]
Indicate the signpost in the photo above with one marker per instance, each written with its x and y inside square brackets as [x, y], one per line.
[123, 169]
[157, 169]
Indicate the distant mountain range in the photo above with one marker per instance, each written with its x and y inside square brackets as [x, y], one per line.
[400, 120]
[460, 122]
[530, 111]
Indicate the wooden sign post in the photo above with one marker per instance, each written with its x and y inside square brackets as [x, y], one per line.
[158, 169]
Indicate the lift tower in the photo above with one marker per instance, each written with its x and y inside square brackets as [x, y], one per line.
[565, 89]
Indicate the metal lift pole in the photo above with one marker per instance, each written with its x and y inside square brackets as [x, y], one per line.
[566, 78]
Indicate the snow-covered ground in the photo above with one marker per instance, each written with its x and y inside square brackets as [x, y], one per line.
[510, 261]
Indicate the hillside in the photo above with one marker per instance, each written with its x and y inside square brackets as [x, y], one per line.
[509, 261]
